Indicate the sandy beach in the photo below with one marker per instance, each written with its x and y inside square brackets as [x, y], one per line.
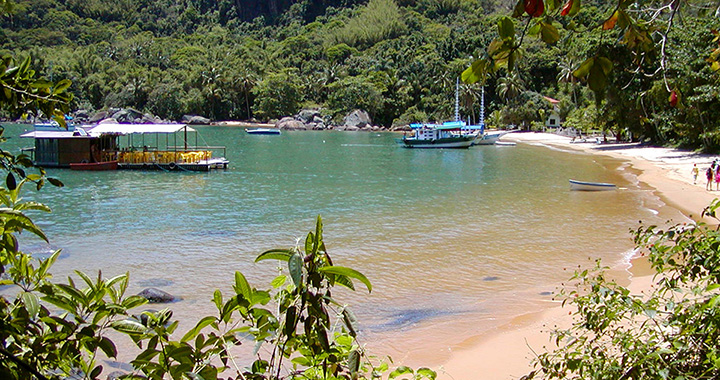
[507, 353]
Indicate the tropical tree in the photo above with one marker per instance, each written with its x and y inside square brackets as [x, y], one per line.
[246, 80]
[670, 332]
[354, 93]
[470, 95]
[643, 28]
[510, 86]
[277, 95]
[567, 67]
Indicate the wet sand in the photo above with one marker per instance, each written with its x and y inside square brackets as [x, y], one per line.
[507, 353]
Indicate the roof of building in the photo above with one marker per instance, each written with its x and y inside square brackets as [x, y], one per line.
[551, 100]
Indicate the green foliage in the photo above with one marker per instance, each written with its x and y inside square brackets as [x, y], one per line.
[670, 332]
[624, 52]
[303, 330]
[277, 95]
[377, 21]
[354, 93]
[22, 91]
[339, 52]
[411, 115]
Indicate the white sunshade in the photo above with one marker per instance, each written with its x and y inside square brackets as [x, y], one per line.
[48, 134]
[126, 129]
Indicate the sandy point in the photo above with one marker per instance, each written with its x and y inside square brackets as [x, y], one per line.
[508, 352]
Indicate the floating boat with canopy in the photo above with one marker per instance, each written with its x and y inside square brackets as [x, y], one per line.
[110, 146]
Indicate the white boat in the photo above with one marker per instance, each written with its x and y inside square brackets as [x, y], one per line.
[263, 131]
[591, 186]
[489, 138]
[505, 143]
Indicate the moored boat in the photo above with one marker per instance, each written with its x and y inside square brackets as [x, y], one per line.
[489, 138]
[263, 131]
[591, 186]
[98, 147]
[446, 135]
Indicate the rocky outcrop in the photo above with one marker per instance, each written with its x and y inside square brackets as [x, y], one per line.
[309, 116]
[117, 115]
[291, 124]
[195, 119]
[312, 119]
[401, 128]
[357, 118]
[154, 295]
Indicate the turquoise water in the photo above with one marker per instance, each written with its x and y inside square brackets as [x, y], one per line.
[454, 241]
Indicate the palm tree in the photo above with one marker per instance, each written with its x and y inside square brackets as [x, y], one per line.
[247, 80]
[211, 82]
[469, 95]
[510, 86]
[567, 68]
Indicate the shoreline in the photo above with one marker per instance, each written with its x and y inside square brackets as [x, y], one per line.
[507, 352]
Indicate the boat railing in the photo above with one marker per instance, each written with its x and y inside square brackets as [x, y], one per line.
[158, 156]
[198, 148]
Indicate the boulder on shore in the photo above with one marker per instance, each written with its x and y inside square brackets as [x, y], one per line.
[309, 115]
[195, 119]
[154, 295]
[290, 124]
[118, 115]
[357, 118]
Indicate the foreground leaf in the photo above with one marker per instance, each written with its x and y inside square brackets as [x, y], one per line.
[349, 272]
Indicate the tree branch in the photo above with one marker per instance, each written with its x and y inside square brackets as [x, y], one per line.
[22, 364]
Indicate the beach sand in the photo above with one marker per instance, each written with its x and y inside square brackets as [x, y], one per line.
[507, 353]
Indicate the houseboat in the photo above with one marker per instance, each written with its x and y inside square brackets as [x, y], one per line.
[111, 146]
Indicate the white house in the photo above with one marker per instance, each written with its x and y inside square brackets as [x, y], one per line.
[553, 119]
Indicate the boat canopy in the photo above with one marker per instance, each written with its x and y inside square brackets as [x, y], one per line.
[446, 126]
[127, 129]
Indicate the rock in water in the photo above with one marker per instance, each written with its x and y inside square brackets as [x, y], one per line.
[154, 295]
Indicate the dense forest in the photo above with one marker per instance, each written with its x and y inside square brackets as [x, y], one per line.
[398, 60]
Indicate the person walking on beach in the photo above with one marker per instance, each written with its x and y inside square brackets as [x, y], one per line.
[695, 172]
[717, 177]
[709, 175]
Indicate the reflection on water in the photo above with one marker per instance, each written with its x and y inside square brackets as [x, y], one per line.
[454, 241]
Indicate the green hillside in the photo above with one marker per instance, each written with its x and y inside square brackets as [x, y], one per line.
[399, 60]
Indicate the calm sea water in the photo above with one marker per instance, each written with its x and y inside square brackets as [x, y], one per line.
[455, 242]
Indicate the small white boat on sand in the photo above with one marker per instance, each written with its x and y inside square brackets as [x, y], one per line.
[505, 143]
[591, 186]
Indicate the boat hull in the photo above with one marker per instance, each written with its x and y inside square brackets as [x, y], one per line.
[591, 186]
[106, 165]
[263, 131]
[489, 138]
[463, 142]
[198, 166]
